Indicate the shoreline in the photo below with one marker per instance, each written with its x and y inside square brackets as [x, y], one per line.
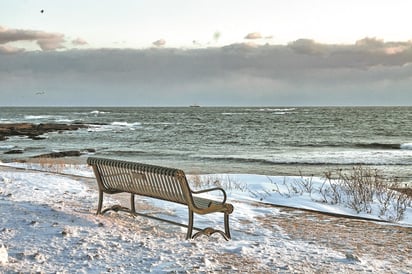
[78, 155]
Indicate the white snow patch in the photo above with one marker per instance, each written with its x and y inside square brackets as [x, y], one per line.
[48, 224]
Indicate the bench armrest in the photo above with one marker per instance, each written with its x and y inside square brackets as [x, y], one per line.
[212, 189]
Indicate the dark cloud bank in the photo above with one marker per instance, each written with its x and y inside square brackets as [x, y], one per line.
[370, 72]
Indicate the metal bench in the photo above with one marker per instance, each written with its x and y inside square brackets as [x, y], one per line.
[117, 176]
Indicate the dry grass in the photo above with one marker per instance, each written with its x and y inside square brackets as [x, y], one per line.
[361, 188]
[57, 165]
[226, 183]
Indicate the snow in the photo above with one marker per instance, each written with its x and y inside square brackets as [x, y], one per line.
[48, 224]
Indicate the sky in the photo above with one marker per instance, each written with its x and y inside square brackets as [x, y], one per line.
[211, 53]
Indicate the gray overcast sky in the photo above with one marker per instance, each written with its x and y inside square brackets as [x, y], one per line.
[177, 53]
[303, 72]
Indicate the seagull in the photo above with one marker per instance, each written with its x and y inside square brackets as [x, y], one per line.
[40, 93]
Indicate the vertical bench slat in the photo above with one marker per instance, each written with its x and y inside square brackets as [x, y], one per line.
[169, 186]
[164, 185]
[152, 185]
[145, 180]
[126, 179]
[177, 190]
[116, 177]
[105, 175]
[120, 177]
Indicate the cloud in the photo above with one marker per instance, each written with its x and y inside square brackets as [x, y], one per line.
[253, 35]
[7, 49]
[303, 72]
[308, 46]
[378, 45]
[51, 42]
[159, 43]
[79, 42]
[46, 40]
[367, 49]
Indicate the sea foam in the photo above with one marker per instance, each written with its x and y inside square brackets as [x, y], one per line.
[406, 146]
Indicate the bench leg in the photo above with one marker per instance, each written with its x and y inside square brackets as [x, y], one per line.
[99, 207]
[227, 230]
[208, 231]
[190, 226]
[132, 205]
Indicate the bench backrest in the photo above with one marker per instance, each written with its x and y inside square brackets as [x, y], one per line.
[149, 180]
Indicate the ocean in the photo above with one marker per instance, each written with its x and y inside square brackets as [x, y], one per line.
[255, 140]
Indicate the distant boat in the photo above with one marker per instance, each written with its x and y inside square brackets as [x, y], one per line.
[194, 106]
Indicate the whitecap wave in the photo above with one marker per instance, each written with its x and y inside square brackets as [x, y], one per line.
[277, 109]
[406, 146]
[36, 117]
[98, 112]
[126, 124]
[6, 147]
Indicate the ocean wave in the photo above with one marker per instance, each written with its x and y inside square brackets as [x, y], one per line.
[96, 112]
[407, 146]
[67, 121]
[7, 147]
[37, 117]
[358, 145]
[126, 124]
[352, 161]
[234, 113]
[115, 126]
[378, 146]
[277, 110]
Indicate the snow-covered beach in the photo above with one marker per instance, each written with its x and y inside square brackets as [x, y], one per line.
[48, 224]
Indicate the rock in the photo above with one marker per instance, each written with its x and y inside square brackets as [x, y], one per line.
[39, 257]
[14, 151]
[38, 137]
[34, 131]
[70, 153]
[352, 257]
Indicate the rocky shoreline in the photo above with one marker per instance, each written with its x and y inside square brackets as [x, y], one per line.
[36, 132]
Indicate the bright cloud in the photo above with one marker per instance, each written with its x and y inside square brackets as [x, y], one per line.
[254, 35]
[159, 43]
[79, 42]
